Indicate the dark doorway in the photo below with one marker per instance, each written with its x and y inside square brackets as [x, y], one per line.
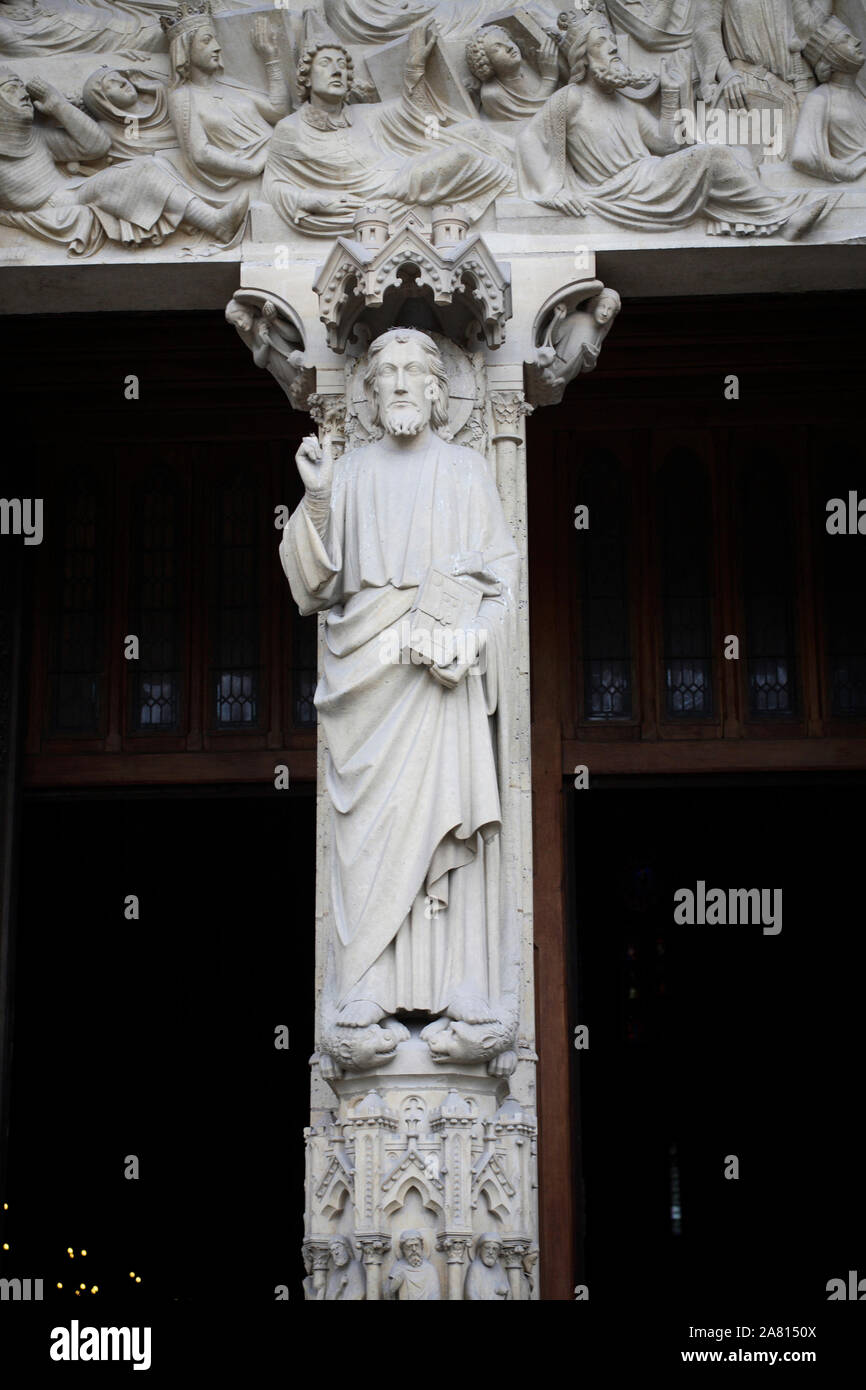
[710, 1041]
[156, 1038]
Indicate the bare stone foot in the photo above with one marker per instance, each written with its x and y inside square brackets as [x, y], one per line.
[398, 1030]
[471, 1008]
[358, 1013]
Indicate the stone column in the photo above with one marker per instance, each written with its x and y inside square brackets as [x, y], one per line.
[454, 1249]
[373, 1252]
[514, 1253]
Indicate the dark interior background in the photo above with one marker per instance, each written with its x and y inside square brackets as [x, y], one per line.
[156, 1038]
[714, 1040]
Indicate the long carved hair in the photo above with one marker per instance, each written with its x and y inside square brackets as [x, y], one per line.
[439, 413]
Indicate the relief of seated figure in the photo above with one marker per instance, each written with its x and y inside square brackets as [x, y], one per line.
[33, 30]
[830, 139]
[132, 203]
[592, 149]
[511, 89]
[223, 132]
[132, 108]
[329, 159]
[736, 39]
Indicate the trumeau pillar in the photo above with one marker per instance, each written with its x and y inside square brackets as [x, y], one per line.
[421, 1150]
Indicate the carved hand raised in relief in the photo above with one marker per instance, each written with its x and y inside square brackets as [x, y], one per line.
[264, 40]
[423, 38]
[547, 58]
[45, 98]
[315, 462]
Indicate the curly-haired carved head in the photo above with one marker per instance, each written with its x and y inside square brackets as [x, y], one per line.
[492, 52]
[326, 70]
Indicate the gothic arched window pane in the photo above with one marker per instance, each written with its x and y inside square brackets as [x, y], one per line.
[155, 604]
[768, 578]
[844, 594]
[603, 550]
[77, 650]
[684, 521]
[236, 675]
[304, 675]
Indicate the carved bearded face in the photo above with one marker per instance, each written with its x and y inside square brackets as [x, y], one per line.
[490, 1253]
[405, 387]
[413, 1251]
[205, 52]
[339, 1254]
[329, 75]
[604, 62]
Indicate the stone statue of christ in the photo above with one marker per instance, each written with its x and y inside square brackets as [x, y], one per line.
[416, 748]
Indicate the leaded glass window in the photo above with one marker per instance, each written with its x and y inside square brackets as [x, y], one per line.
[603, 551]
[684, 520]
[76, 665]
[768, 587]
[236, 673]
[304, 656]
[844, 598]
[155, 604]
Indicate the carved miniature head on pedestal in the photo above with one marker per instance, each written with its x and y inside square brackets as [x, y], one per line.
[406, 383]
[590, 47]
[325, 76]
[493, 53]
[194, 49]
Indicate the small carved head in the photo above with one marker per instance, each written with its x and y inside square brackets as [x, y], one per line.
[491, 52]
[14, 95]
[107, 92]
[833, 48]
[412, 1248]
[197, 47]
[341, 1251]
[489, 1249]
[327, 69]
[406, 382]
[605, 307]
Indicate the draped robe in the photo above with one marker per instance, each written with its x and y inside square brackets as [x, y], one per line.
[592, 143]
[375, 153]
[414, 770]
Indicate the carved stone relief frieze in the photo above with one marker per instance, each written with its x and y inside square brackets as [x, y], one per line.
[666, 118]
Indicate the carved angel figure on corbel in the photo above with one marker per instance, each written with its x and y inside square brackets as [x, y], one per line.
[571, 343]
[268, 328]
